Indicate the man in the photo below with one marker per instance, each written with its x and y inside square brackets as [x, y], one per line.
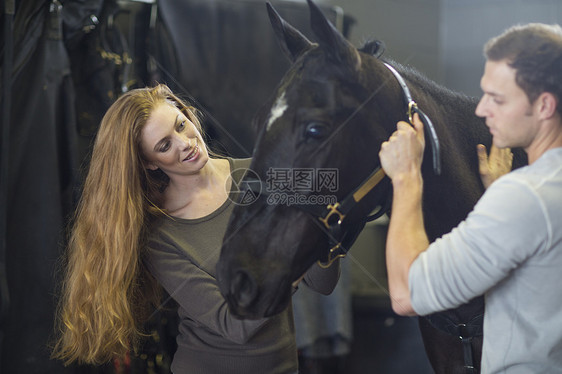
[509, 248]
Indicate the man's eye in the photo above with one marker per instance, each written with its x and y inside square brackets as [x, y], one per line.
[497, 100]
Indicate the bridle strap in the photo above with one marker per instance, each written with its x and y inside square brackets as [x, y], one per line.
[342, 208]
[431, 134]
[465, 331]
[368, 185]
[333, 215]
[402, 83]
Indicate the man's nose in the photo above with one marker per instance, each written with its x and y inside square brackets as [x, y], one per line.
[481, 110]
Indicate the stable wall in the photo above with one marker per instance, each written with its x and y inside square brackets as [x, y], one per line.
[443, 38]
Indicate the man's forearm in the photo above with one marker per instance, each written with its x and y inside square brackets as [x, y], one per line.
[406, 238]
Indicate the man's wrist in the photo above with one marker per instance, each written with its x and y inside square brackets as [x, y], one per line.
[410, 180]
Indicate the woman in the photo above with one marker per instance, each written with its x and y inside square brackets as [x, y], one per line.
[153, 211]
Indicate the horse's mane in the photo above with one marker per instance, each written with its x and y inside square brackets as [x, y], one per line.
[376, 48]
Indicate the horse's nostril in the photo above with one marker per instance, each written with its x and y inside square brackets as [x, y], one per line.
[244, 289]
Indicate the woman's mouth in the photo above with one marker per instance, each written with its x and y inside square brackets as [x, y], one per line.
[194, 153]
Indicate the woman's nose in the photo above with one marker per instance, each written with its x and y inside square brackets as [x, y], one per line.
[184, 141]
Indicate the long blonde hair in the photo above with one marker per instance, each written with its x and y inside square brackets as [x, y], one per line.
[105, 286]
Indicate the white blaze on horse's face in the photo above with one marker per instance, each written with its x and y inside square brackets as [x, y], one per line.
[277, 111]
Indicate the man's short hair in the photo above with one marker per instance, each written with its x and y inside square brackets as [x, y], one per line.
[534, 50]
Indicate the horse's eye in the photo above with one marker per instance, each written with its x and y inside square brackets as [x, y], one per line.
[316, 130]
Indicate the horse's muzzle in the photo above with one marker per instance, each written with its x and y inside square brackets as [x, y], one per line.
[243, 289]
[240, 291]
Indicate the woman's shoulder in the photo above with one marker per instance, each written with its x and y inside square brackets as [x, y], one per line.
[239, 167]
[238, 163]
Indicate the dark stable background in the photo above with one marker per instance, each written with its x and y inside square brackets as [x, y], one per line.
[65, 63]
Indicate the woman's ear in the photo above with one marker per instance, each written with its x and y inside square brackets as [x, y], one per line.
[150, 165]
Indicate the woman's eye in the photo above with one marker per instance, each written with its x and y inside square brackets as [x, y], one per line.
[315, 131]
[181, 125]
[165, 147]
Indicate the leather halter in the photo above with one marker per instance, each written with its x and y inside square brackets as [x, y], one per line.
[336, 213]
[428, 125]
[332, 216]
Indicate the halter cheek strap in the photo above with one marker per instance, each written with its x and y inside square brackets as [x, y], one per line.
[428, 125]
[332, 216]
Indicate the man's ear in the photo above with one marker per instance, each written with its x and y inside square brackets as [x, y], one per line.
[547, 105]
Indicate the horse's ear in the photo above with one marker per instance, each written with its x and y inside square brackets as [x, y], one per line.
[374, 48]
[332, 40]
[291, 41]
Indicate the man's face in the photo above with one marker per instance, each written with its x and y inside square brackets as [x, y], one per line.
[509, 115]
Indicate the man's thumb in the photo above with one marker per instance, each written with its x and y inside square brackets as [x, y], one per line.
[418, 125]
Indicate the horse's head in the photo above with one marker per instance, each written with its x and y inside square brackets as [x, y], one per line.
[317, 142]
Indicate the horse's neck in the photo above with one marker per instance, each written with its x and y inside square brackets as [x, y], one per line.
[449, 197]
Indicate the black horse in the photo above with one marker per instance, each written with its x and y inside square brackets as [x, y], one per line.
[324, 125]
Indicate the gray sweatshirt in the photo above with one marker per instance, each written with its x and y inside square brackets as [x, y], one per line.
[510, 249]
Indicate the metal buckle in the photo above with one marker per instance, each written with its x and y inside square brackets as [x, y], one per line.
[333, 210]
[412, 108]
[331, 257]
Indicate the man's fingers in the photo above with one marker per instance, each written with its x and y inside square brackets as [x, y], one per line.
[418, 125]
[500, 156]
[505, 154]
[482, 155]
[401, 125]
[494, 165]
[483, 166]
[495, 152]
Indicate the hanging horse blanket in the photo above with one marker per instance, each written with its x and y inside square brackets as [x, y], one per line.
[39, 190]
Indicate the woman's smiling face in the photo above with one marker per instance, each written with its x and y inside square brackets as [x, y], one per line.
[172, 143]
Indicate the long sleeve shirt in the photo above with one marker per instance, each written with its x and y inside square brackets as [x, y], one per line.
[509, 248]
[183, 254]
